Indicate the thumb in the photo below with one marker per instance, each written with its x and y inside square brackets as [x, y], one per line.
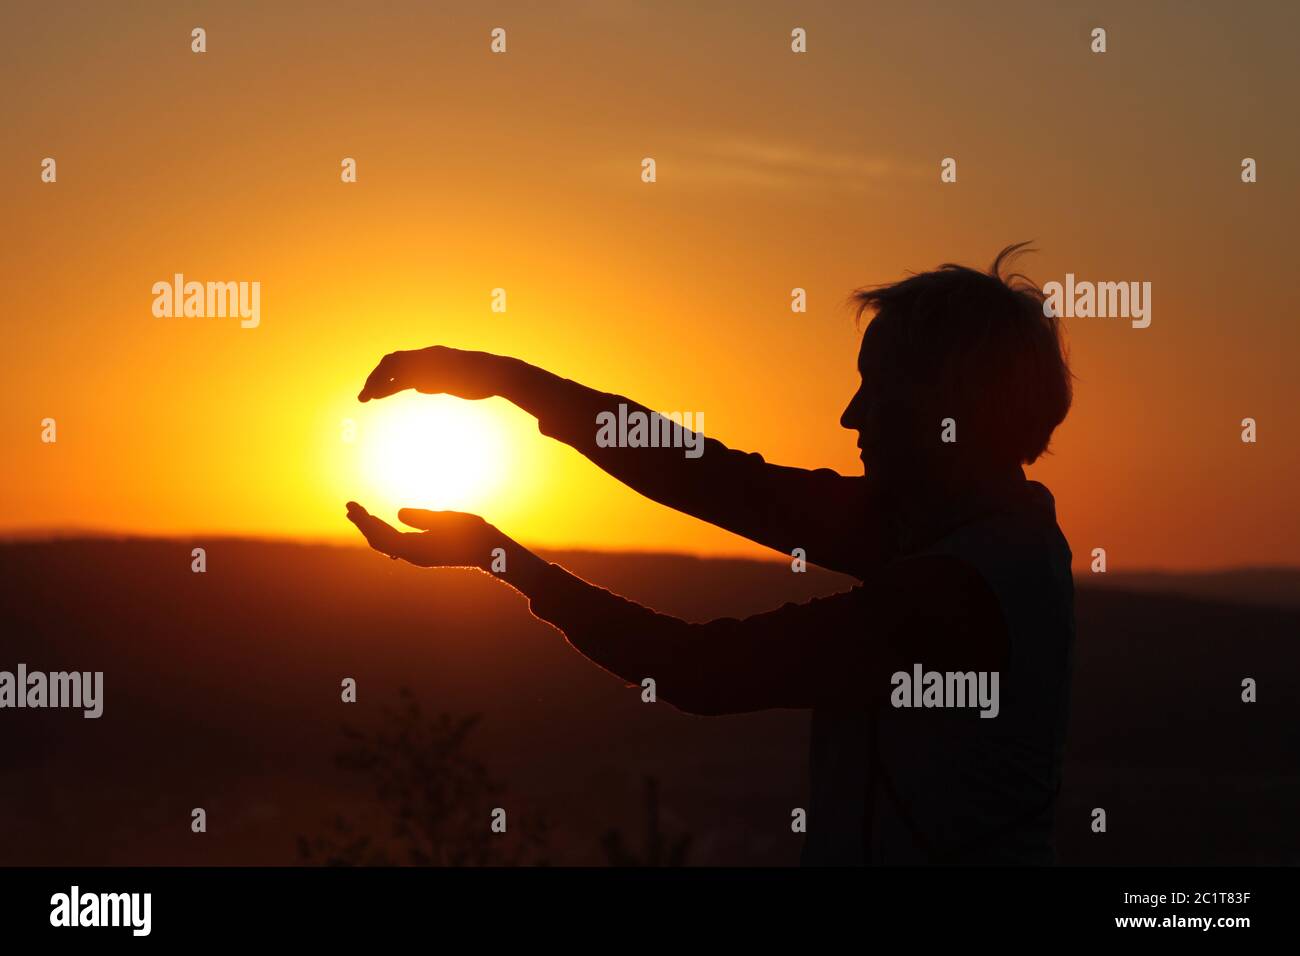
[420, 518]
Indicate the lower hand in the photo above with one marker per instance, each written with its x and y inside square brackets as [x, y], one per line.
[447, 539]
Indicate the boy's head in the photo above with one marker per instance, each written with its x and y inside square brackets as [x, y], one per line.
[964, 345]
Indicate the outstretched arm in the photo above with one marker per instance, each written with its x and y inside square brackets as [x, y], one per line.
[839, 649]
[830, 516]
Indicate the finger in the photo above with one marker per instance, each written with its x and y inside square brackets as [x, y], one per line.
[386, 379]
[427, 520]
[379, 534]
[421, 518]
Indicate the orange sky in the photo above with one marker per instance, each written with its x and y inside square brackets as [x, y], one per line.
[521, 171]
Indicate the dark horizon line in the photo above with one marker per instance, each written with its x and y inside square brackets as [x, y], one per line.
[73, 535]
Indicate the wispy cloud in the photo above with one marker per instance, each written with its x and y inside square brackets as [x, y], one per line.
[741, 162]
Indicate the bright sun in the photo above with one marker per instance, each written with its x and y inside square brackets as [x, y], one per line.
[431, 451]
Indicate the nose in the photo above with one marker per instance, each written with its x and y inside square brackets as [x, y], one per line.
[851, 418]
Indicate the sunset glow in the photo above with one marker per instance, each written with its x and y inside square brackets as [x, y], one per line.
[822, 175]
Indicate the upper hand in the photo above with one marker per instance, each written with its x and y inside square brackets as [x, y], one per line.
[448, 539]
[437, 369]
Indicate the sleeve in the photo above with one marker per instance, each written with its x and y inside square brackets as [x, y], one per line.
[838, 649]
[830, 516]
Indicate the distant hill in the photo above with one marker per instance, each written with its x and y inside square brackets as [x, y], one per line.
[222, 692]
[1264, 587]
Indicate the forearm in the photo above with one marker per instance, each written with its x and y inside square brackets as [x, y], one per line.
[571, 412]
[694, 480]
[520, 568]
[635, 639]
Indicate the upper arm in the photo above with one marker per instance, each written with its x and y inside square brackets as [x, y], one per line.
[936, 611]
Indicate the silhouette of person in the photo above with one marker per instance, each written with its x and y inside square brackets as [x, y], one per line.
[963, 571]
